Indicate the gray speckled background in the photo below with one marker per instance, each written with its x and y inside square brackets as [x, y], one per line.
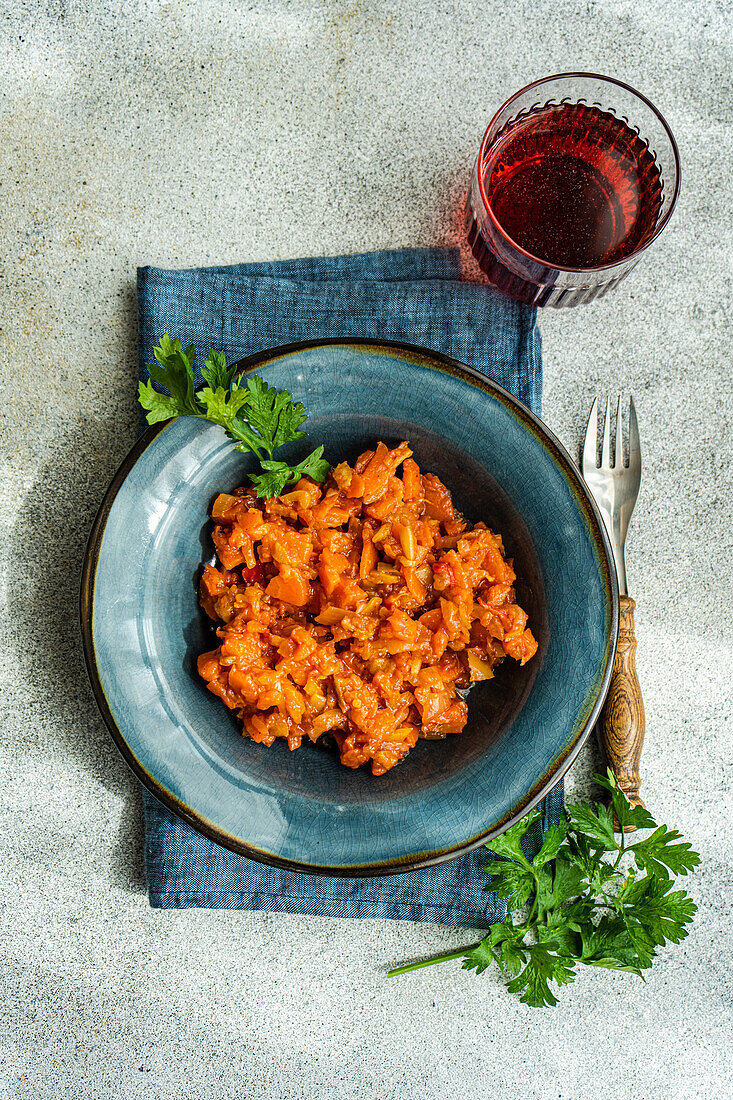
[187, 133]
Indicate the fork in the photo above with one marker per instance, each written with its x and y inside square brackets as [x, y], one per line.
[615, 487]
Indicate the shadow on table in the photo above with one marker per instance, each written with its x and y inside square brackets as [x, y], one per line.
[48, 544]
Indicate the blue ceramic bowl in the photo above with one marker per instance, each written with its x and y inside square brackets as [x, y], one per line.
[143, 628]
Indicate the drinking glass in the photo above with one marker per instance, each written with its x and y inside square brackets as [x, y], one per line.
[576, 175]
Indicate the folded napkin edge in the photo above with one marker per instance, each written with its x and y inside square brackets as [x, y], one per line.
[447, 258]
[422, 912]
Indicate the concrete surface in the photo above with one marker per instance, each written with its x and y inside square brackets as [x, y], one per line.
[186, 133]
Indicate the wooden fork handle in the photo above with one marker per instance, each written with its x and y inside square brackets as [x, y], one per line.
[622, 717]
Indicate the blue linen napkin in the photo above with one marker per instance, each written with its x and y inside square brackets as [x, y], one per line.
[412, 295]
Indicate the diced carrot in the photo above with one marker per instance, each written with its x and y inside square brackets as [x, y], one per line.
[411, 480]
[331, 568]
[291, 586]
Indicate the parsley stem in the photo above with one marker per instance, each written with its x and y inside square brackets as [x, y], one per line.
[621, 849]
[529, 920]
[459, 954]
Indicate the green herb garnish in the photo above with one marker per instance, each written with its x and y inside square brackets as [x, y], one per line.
[588, 898]
[259, 418]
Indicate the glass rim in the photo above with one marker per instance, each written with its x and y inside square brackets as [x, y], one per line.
[663, 220]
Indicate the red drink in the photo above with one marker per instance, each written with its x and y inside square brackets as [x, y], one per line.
[562, 193]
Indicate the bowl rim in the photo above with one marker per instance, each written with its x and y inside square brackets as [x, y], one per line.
[552, 776]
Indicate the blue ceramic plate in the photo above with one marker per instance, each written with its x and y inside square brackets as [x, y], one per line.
[143, 628]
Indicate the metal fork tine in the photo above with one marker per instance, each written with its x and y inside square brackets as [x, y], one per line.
[606, 452]
[618, 450]
[590, 447]
[634, 444]
[614, 488]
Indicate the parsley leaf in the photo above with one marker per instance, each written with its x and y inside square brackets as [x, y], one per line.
[159, 406]
[501, 939]
[223, 406]
[481, 956]
[174, 370]
[568, 880]
[544, 965]
[509, 844]
[511, 881]
[257, 417]
[595, 823]
[626, 814]
[658, 853]
[273, 414]
[662, 913]
[278, 475]
[512, 956]
[596, 870]
[608, 944]
[224, 397]
[216, 372]
[554, 837]
[586, 898]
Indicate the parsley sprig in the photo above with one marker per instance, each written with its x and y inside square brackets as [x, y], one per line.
[258, 417]
[587, 897]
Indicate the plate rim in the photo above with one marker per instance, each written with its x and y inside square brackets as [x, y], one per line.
[400, 864]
